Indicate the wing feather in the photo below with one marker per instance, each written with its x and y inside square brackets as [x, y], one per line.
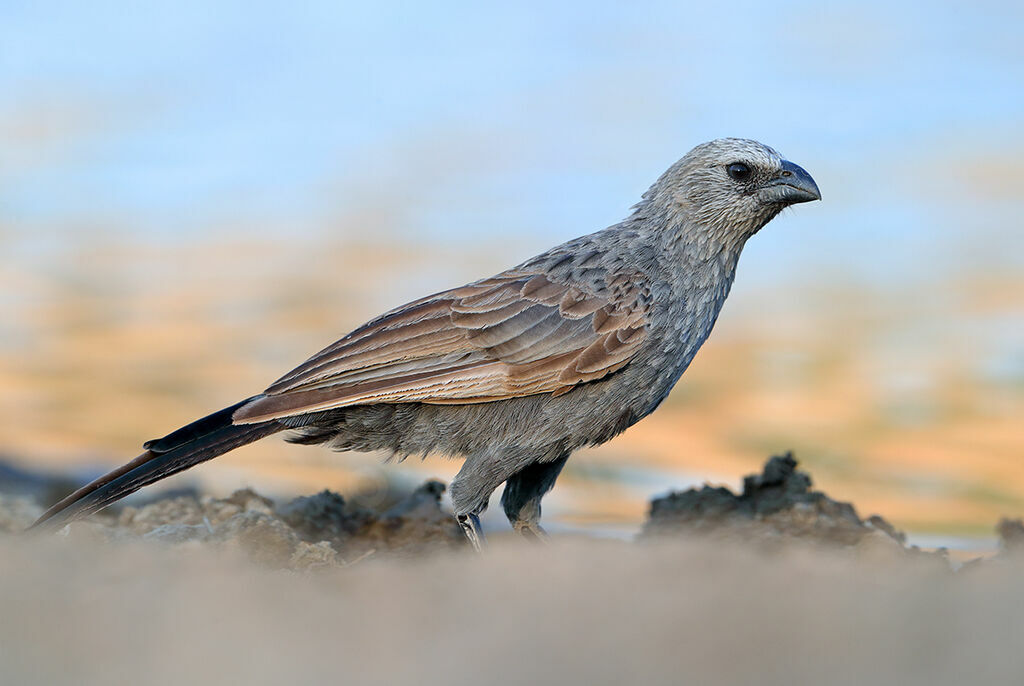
[518, 333]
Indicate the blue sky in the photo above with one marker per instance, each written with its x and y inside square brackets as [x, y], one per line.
[169, 120]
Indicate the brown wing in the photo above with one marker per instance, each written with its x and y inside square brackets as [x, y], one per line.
[512, 335]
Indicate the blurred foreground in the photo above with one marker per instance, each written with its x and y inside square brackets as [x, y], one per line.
[125, 599]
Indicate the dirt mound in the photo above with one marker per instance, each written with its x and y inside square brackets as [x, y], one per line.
[775, 506]
[309, 531]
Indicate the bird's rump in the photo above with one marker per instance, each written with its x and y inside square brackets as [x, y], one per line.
[515, 334]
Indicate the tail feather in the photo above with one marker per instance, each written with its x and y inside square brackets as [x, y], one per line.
[197, 429]
[198, 442]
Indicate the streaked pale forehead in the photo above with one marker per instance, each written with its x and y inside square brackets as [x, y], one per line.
[726, 150]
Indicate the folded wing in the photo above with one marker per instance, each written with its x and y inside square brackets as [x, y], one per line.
[516, 334]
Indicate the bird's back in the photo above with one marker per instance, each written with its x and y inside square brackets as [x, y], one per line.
[680, 296]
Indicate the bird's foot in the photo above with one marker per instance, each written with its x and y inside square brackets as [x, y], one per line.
[470, 524]
[531, 531]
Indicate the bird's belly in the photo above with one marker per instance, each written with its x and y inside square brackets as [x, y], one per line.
[590, 414]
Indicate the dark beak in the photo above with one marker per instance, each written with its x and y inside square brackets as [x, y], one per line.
[792, 185]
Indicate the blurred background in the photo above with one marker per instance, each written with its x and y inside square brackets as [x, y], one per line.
[194, 197]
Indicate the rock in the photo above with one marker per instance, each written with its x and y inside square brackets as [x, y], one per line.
[425, 501]
[179, 533]
[778, 503]
[305, 533]
[244, 500]
[308, 556]
[142, 520]
[416, 522]
[264, 538]
[325, 516]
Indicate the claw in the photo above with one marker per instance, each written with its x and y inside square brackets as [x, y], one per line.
[470, 524]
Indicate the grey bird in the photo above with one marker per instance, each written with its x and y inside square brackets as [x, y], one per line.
[516, 371]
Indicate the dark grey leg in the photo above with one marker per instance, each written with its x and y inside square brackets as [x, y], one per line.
[523, 492]
[472, 487]
[471, 490]
[528, 481]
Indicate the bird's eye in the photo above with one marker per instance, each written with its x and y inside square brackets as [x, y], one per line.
[738, 171]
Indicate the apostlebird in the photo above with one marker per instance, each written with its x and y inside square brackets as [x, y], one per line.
[516, 371]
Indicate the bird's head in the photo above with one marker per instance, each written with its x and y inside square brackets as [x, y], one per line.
[732, 186]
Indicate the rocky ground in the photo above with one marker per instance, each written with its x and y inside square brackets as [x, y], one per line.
[776, 508]
[777, 584]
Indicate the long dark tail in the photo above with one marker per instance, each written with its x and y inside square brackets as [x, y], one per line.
[197, 442]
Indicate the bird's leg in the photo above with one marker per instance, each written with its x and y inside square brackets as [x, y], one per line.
[523, 493]
[526, 482]
[470, 524]
[471, 491]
